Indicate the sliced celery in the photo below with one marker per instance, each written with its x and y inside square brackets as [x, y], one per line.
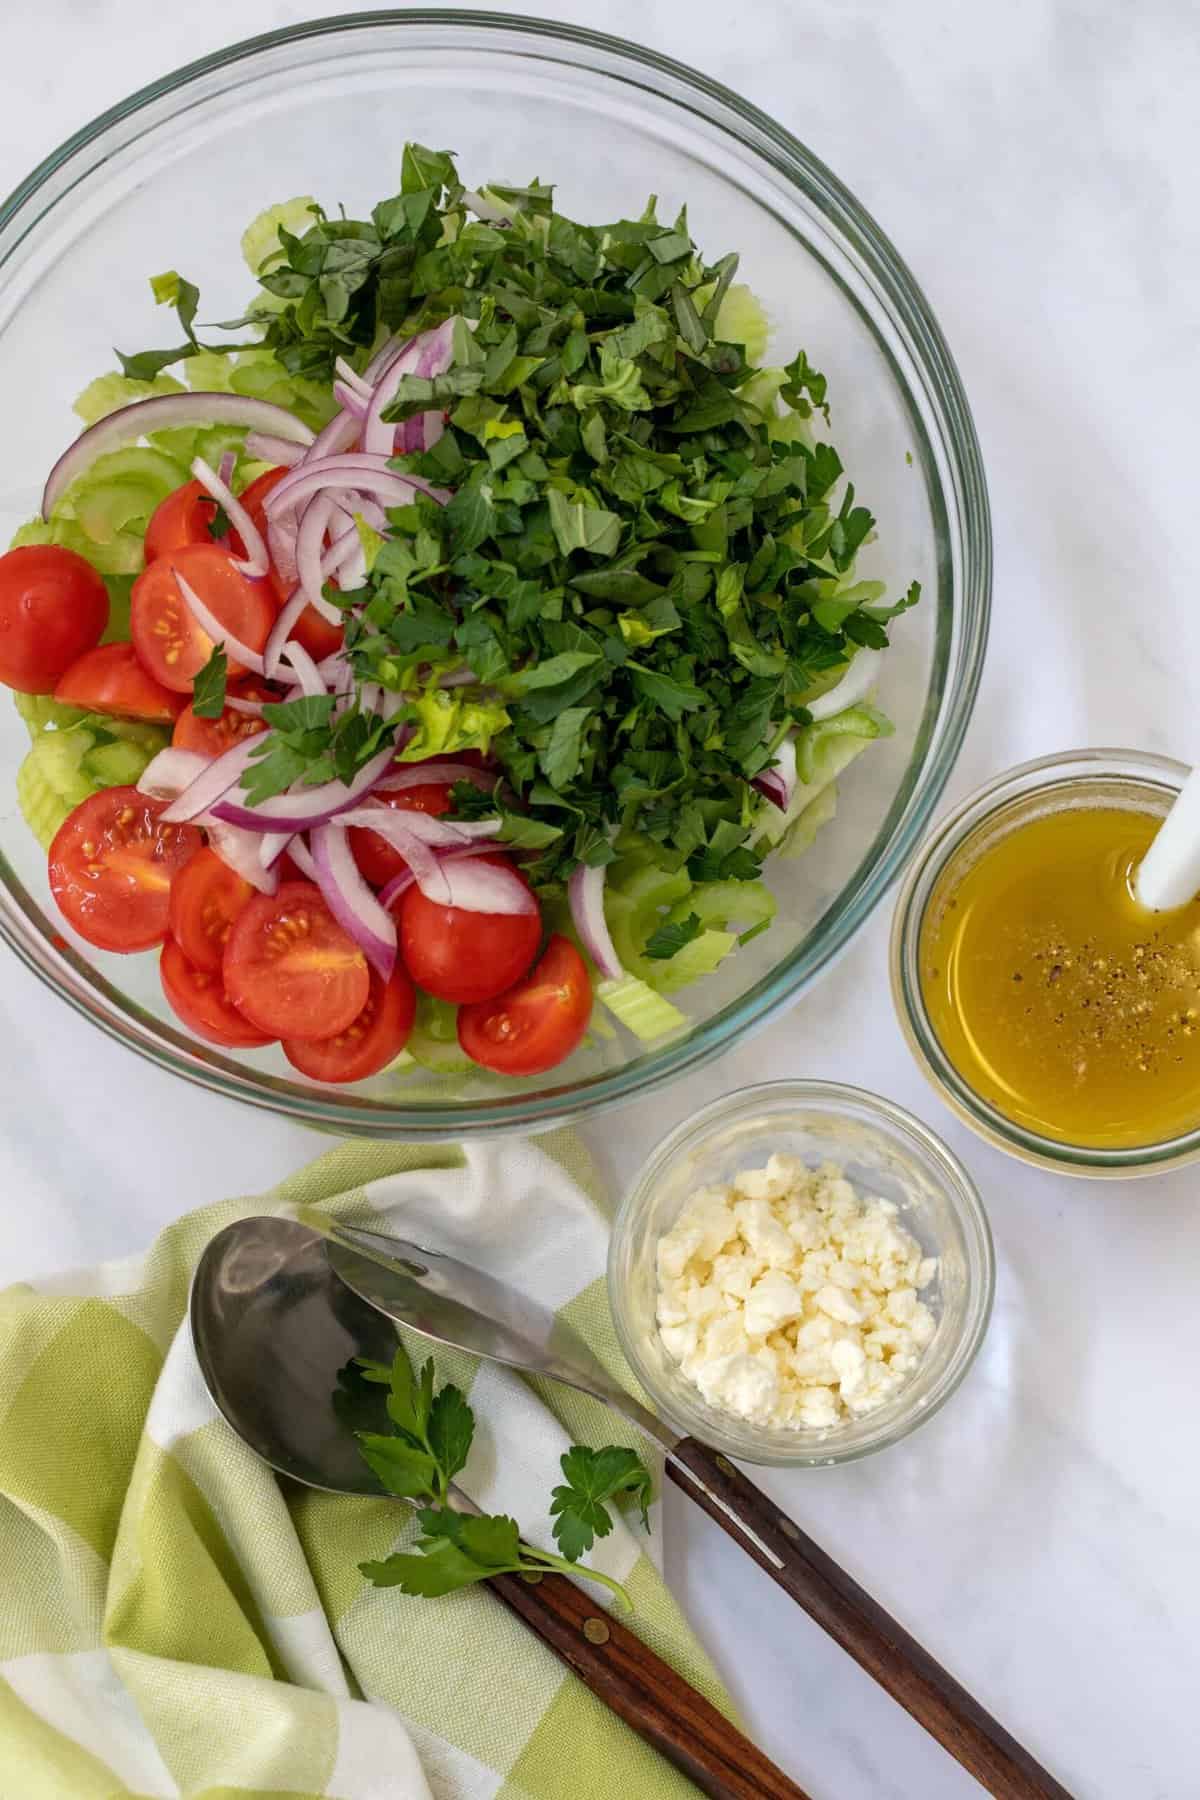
[634, 1004]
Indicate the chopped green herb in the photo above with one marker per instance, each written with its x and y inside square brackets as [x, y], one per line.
[646, 564]
[208, 689]
[669, 940]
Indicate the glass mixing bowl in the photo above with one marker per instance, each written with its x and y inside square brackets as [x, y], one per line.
[169, 178]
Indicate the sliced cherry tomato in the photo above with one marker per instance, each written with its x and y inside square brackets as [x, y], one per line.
[199, 999]
[378, 860]
[182, 518]
[375, 1039]
[206, 897]
[538, 1022]
[53, 607]
[311, 632]
[212, 737]
[111, 679]
[459, 955]
[291, 968]
[165, 635]
[112, 863]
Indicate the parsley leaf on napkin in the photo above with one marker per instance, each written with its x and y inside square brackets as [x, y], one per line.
[429, 1443]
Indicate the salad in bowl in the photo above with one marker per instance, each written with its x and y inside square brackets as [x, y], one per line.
[428, 665]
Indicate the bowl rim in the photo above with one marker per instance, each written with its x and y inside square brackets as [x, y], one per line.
[1023, 782]
[966, 487]
[959, 1185]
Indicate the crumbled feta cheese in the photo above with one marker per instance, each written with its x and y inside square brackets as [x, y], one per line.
[788, 1298]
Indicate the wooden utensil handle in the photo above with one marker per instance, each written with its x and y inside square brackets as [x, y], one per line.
[860, 1625]
[644, 1691]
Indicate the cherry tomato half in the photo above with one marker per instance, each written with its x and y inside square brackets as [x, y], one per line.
[198, 998]
[182, 518]
[538, 1022]
[378, 860]
[375, 1038]
[212, 737]
[458, 955]
[112, 863]
[291, 969]
[53, 607]
[110, 679]
[172, 646]
[206, 897]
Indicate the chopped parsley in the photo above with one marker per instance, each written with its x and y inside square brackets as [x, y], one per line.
[648, 560]
[208, 688]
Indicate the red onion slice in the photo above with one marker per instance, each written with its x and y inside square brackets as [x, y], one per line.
[257, 560]
[407, 775]
[352, 574]
[281, 631]
[771, 786]
[350, 400]
[303, 807]
[238, 849]
[585, 890]
[333, 439]
[306, 670]
[779, 784]
[351, 378]
[213, 781]
[170, 772]
[272, 844]
[213, 628]
[302, 856]
[264, 446]
[281, 540]
[376, 435]
[351, 901]
[400, 883]
[335, 671]
[252, 708]
[384, 357]
[314, 523]
[371, 474]
[165, 412]
[439, 833]
[428, 355]
[485, 887]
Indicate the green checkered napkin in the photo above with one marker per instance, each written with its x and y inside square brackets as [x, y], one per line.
[172, 1623]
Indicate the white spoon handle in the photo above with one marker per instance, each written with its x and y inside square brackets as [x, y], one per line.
[1169, 875]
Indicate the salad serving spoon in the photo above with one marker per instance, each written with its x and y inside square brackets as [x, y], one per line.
[453, 1303]
[273, 1327]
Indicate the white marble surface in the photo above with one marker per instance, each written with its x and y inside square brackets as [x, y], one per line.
[1035, 164]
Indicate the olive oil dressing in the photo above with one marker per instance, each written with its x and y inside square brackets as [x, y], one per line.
[1058, 998]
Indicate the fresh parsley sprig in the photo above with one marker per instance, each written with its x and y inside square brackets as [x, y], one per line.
[432, 1429]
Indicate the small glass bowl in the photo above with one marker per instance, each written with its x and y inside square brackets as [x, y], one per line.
[885, 1152]
[1114, 778]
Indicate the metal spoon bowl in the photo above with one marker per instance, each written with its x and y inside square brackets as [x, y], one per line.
[272, 1326]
